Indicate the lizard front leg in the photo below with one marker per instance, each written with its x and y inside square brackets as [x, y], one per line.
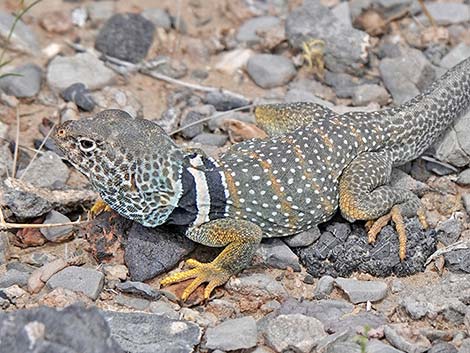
[240, 239]
[365, 194]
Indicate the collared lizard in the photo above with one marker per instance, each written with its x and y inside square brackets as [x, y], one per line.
[314, 162]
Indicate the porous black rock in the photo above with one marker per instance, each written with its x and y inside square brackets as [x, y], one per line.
[343, 249]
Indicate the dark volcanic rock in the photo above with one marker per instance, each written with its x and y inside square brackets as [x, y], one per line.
[71, 330]
[151, 251]
[340, 251]
[80, 95]
[126, 36]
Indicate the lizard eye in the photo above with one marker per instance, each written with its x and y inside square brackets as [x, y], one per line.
[86, 145]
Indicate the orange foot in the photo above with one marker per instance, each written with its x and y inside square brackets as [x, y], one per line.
[202, 273]
[97, 208]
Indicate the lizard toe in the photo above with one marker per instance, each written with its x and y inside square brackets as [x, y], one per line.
[98, 207]
[202, 273]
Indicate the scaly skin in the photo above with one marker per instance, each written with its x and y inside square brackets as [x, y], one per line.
[314, 163]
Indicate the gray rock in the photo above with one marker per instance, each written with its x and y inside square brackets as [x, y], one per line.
[269, 71]
[23, 37]
[443, 347]
[407, 75]
[365, 94]
[454, 147]
[344, 85]
[56, 234]
[456, 55]
[315, 87]
[449, 13]
[277, 254]
[465, 347]
[466, 201]
[403, 343]
[342, 13]
[304, 238]
[12, 277]
[300, 95]
[47, 171]
[132, 302]
[193, 116]
[458, 260]
[448, 232]
[329, 312]
[149, 333]
[464, 177]
[80, 95]
[78, 279]
[160, 18]
[324, 287]
[169, 119]
[207, 138]
[25, 205]
[119, 98]
[362, 291]
[223, 101]
[161, 307]
[257, 284]
[171, 67]
[376, 346]
[352, 324]
[345, 47]
[20, 266]
[4, 247]
[344, 347]
[448, 298]
[247, 31]
[232, 334]
[27, 84]
[295, 331]
[6, 160]
[72, 329]
[126, 36]
[402, 180]
[151, 251]
[86, 68]
[100, 11]
[139, 288]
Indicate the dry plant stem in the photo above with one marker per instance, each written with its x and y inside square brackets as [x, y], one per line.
[189, 85]
[17, 142]
[426, 12]
[23, 147]
[12, 29]
[37, 152]
[6, 225]
[211, 117]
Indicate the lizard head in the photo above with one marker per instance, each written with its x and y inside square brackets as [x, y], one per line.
[132, 163]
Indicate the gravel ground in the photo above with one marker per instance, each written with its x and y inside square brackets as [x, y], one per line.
[94, 287]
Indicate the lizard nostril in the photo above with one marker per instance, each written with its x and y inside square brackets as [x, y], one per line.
[61, 132]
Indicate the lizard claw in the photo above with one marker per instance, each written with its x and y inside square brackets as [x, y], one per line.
[99, 207]
[202, 273]
[396, 216]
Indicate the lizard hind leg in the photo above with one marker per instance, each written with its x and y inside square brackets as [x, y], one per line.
[365, 194]
[240, 239]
